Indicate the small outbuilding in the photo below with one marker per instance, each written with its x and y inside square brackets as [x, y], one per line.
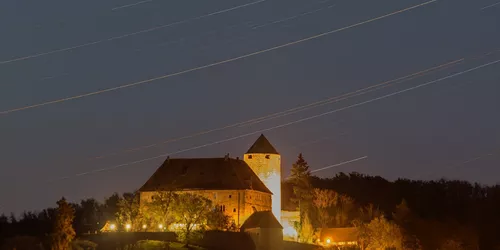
[265, 230]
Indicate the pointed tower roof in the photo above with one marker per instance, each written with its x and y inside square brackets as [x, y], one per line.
[262, 146]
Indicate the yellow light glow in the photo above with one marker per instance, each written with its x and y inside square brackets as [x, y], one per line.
[112, 226]
[328, 241]
[273, 182]
[160, 226]
[288, 230]
[128, 227]
[268, 169]
[144, 226]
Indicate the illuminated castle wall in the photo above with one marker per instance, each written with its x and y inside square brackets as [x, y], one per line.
[265, 161]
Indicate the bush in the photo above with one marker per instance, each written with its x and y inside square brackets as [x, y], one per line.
[152, 245]
[83, 245]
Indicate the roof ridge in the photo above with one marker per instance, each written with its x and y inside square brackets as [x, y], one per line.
[262, 146]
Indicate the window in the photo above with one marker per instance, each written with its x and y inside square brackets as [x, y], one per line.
[234, 210]
[249, 156]
[229, 196]
[254, 209]
[215, 195]
[223, 208]
[267, 156]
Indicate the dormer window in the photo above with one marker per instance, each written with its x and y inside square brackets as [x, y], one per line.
[267, 156]
[249, 156]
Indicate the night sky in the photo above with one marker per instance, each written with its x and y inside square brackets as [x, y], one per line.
[58, 49]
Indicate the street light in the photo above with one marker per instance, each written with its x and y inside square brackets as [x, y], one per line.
[160, 226]
[112, 227]
[144, 226]
[128, 227]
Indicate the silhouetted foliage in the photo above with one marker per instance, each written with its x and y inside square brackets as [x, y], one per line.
[431, 214]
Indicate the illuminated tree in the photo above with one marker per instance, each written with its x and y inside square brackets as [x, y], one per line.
[128, 210]
[63, 230]
[380, 234]
[344, 208]
[217, 220]
[159, 210]
[191, 213]
[323, 201]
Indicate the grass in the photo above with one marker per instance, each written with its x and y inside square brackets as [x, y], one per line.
[160, 245]
[180, 246]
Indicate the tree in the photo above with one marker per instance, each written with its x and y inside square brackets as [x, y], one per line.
[159, 211]
[368, 213]
[344, 207]
[128, 210]
[300, 178]
[191, 213]
[90, 216]
[217, 220]
[323, 201]
[402, 214]
[307, 231]
[381, 234]
[110, 207]
[63, 230]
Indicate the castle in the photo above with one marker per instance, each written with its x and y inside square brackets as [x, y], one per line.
[239, 187]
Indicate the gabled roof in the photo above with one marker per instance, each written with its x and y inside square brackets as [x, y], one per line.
[262, 146]
[204, 174]
[262, 219]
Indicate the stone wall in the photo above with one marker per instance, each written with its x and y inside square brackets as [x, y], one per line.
[268, 168]
[238, 204]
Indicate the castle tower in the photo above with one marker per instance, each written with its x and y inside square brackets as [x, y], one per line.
[265, 161]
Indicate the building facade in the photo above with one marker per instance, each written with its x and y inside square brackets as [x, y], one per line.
[237, 187]
[265, 161]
